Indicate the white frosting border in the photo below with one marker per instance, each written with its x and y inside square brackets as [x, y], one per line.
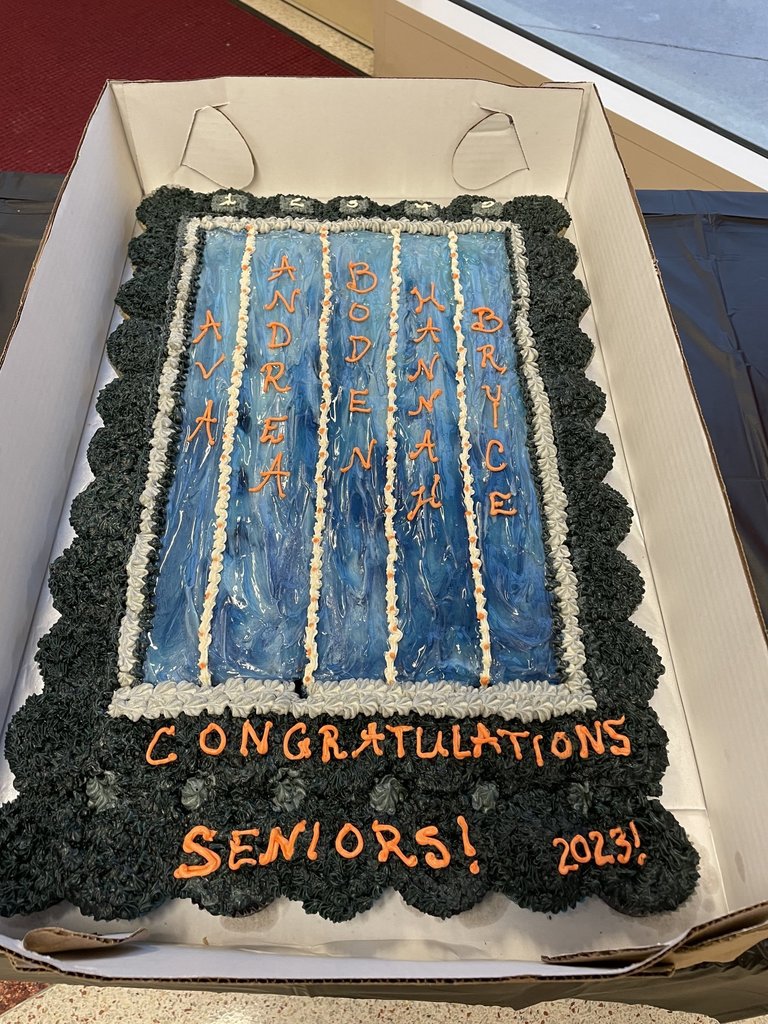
[525, 701]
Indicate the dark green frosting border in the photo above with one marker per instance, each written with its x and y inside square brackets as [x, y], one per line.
[95, 825]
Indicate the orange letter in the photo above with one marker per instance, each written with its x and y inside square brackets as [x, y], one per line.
[211, 860]
[363, 271]
[273, 342]
[268, 435]
[303, 748]
[561, 746]
[426, 403]
[364, 461]
[345, 831]
[275, 470]
[278, 843]
[399, 731]
[421, 367]
[290, 304]
[437, 749]
[357, 307]
[427, 836]
[421, 501]
[428, 329]
[513, 738]
[260, 742]
[356, 355]
[587, 740]
[486, 316]
[236, 847]
[494, 400]
[495, 499]
[423, 300]
[391, 845]
[426, 444]
[330, 736]
[493, 443]
[458, 751]
[164, 730]
[222, 738]
[486, 356]
[355, 404]
[484, 737]
[208, 419]
[371, 737]
[626, 747]
[285, 268]
[205, 374]
[204, 328]
[273, 377]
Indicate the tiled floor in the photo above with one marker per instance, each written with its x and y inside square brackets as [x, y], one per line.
[71, 1004]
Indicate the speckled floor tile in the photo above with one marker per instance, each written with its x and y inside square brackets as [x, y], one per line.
[14, 992]
[73, 1004]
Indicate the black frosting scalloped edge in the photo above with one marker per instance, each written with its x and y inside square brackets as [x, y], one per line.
[117, 859]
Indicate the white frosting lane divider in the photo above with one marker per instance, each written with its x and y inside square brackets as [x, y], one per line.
[394, 633]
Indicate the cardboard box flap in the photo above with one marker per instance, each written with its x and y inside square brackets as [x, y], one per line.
[720, 941]
[65, 940]
[284, 130]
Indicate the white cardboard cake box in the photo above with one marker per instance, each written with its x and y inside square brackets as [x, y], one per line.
[395, 139]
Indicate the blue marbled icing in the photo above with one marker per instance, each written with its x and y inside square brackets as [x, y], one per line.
[352, 627]
[261, 612]
[519, 615]
[186, 546]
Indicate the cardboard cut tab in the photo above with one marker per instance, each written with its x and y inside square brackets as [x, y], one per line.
[216, 149]
[64, 940]
[490, 150]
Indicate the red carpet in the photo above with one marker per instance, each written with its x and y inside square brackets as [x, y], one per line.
[58, 56]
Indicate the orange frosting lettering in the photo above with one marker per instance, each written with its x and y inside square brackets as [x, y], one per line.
[365, 460]
[438, 748]
[487, 353]
[268, 435]
[356, 404]
[422, 300]
[349, 830]
[487, 322]
[274, 371]
[495, 500]
[498, 466]
[537, 749]
[587, 740]
[213, 730]
[357, 271]
[427, 836]
[469, 849]
[421, 367]
[210, 324]
[275, 326]
[484, 738]
[428, 329]
[625, 748]
[249, 735]
[278, 843]
[494, 400]
[355, 310]
[513, 738]
[389, 841]
[371, 737]
[426, 403]
[312, 848]
[207, 420]
[331, 750]
[205, 374]
[426, 444]
[164, 730]
[236, 848]
[275, 472]
[561, 746]
[357, 354]
[284, 267]
[458, 752]
[303, 747]
[399, 731]
[290, 304]
[211, 860]
[421, 501]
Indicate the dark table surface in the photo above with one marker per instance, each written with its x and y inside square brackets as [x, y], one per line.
[712, 249]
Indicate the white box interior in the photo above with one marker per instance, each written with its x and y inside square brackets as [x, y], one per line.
[698, 610]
